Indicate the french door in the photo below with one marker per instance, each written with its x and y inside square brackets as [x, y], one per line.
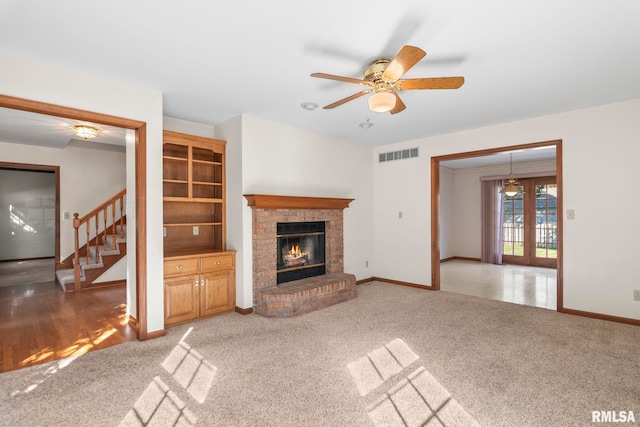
[529, 224]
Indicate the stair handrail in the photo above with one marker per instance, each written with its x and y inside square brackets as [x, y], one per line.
[86, 219]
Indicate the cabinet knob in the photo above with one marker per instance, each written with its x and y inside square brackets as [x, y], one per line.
[218, 262]
[180, 267]
[196, 283]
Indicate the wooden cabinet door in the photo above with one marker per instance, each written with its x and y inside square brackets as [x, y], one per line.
[217, 293]
[180, 299]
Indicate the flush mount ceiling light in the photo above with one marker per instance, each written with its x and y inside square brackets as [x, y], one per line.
[512, 187]
[309, 106]
[85, 132]
[365, 125]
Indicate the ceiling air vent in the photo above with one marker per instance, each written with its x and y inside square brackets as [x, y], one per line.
[398, 155]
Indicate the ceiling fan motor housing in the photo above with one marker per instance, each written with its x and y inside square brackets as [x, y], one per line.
[374, 71]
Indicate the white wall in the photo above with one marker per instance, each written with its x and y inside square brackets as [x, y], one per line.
[464, 238]
[402, 245]
[38, 81]
[447, 209]
[284, 160]
[600, 147]
[237, 239]
[116, 272]
[78, 193]
[190, 128]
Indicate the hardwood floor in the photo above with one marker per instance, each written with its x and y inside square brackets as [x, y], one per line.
[40, 323]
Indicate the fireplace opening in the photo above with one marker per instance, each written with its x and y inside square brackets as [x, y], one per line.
[301, 250]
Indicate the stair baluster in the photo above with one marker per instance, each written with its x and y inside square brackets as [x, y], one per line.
[122, 216]
[76, 254]
[100, 237]
[104, 229]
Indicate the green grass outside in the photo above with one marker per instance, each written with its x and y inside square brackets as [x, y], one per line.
[518, 250]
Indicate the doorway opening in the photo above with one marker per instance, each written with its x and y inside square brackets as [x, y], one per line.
[139, 290]
[32, 203]
[436, 200]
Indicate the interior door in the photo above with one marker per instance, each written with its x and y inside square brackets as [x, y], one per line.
[544, 222]
[529, 226]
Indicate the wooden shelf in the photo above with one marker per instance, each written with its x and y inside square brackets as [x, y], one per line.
[193, 187]
[192, 200]
[199, 274]
[207, 162]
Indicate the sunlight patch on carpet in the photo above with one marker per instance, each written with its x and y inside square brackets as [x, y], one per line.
[192, 371]
[404, 397]
[158, 405]
[365, 375]
[49, 370]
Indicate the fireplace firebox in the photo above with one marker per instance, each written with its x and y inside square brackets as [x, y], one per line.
[301, 250]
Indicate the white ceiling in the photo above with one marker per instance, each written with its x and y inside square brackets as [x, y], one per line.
[504, 157]
[215, 60]
[47, 131]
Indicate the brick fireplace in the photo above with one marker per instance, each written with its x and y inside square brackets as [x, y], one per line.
[304, 295]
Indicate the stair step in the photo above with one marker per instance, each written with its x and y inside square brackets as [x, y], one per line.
[110, 252]
[83, 261]
[112, 242]
[65, 277]
[91, 266]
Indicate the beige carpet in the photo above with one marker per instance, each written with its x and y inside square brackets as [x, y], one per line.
[393, 356]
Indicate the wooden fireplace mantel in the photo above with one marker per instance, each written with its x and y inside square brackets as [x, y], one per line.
[268, 201]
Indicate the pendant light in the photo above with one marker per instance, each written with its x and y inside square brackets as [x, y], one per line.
[512, 187]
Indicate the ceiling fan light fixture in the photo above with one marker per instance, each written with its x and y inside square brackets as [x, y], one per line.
[381, 102]
[85, 132]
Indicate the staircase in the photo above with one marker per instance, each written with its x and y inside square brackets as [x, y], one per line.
[105, 243]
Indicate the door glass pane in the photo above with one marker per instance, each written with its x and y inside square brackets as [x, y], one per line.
[546, 221]
[513, 225]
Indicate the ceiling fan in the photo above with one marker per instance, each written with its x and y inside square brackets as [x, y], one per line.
[383, 77]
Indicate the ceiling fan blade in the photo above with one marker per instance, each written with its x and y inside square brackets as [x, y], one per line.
[341, 78]
[430, 83]
[399, 104]
[404, 60]
[347, 99]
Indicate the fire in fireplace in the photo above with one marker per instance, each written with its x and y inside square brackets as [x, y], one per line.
[301, 250]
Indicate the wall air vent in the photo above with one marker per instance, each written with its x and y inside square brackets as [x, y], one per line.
[398, 155]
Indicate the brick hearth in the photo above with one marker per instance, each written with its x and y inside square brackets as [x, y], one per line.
[300, 296]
